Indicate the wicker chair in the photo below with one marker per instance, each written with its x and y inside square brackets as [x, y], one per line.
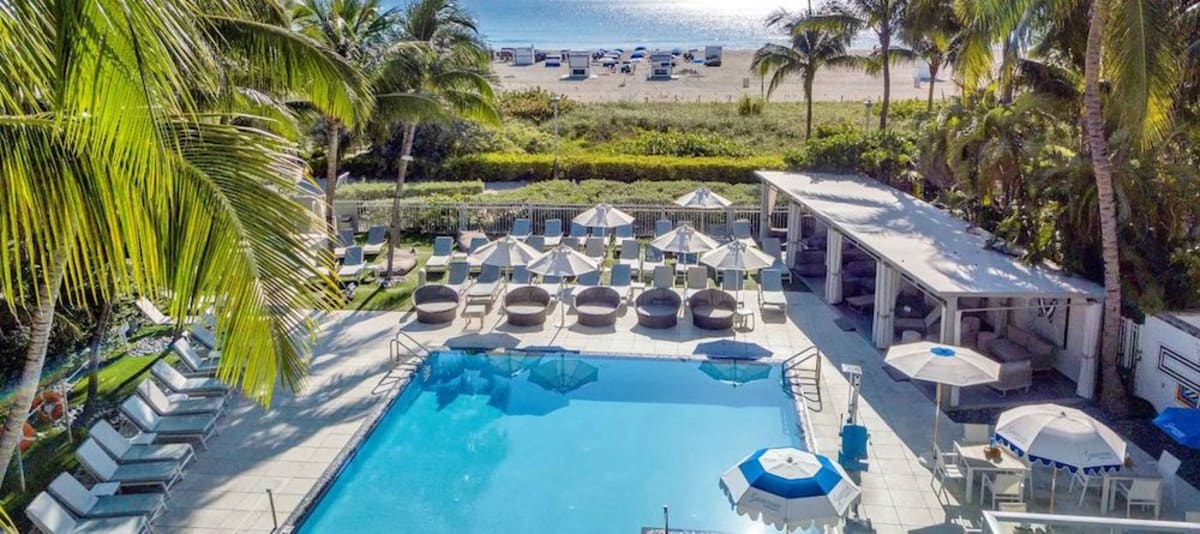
[658, 308]
[713, 309]
[526, 306]
[435, 303]
[597, 306]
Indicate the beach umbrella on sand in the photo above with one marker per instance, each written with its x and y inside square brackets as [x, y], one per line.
[684, 240]
[790, 489]
[506, 252]
[703, 198]
[562, 261]
[942, 364]
[603, 216]
[1060, 437]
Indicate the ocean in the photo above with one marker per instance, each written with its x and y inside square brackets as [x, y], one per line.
[593, 24]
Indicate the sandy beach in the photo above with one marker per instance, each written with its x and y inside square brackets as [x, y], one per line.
[715, 84]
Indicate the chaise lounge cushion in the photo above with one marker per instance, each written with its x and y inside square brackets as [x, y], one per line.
[1018, 345]
[1014, 375]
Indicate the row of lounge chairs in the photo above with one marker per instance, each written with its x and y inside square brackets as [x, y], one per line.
[173, 412]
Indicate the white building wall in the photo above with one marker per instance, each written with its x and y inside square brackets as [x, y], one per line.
[1167, 372]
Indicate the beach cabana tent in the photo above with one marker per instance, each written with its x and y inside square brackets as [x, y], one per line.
[661, 65]
[522, 56]
[579, 62]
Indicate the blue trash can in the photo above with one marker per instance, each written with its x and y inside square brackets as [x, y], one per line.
[854, 447]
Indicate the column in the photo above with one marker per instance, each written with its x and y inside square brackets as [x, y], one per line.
[950, 322]
[794, 233]
[833, 267]
[1093, 322]
[887, 287]
[765, 205]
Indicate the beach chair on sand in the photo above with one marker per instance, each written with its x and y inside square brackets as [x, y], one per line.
[177, 383]
[522, 229]
[552, 231]
[443, 249]
[199, 427]
[770, 290]
[178, 404]
[697, 280]
[376, 239]
[50, 517]
[89, 505]
[154, 474]
[345, 240]
[139, 448]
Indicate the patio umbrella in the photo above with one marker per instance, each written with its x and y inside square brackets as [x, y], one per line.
[1182, 424]
[511, 364]
[703, 198]
[737, 256]
[684, 240]
[562, 261]
[734, 372]
[563, 375]
[506, 252]
[942, 364]
[603, 216]
[789, 488]
[1062, 438]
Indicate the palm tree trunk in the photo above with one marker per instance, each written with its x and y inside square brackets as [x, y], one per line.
[93, 383]
[410, 131]
[884, 46]
[1111, 392]
[808, 83]
[331, 165]
[933, 70]
[42, 320]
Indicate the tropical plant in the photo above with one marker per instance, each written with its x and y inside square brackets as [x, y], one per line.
[811, 47]
[931, 29]
[120, 176]
[438, 70]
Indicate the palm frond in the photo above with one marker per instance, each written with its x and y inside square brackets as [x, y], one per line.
[1142, 57]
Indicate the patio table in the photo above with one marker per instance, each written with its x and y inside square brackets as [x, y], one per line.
[972, 459]
[1140, 471]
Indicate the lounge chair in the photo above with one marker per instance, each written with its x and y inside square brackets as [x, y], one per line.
[625, 231]
[578, 231]
[733, 282]
[552, 231]
[522, 229]
[664, 277]
[199, 427]
[443, 249]
[536, 242]
[202, 335]
[861, 303]
[658, 308]
[526, 306]
[741, 231]
[345, 240]
[713, 309]
[573, 242]
[196, 364]
[652, 261]
[51, 517]
[621, 279]
[487, 286]
[588, 279]
[595, 248]
[353, 265]
[685, 261]
[139, 448]
[774, 248]
[164, 404]
[597, 306]
[553, 285]
[631, 256]
[155, 315]
[459, 277]
[520, 277]
[435, 304]
[376, 239]
[476, 242]
[662, 226]
[91, 505]
[770, 290]
[177, 383]
[696, 281]
[102, 466]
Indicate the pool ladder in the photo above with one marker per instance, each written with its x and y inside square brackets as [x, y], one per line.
[802, 375]
[403, 348]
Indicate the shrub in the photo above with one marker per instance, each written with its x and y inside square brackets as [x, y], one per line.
[534, 104]
[595, 191]
[381, 190]
[511, 167]
[682, 145]
[880, 155]
[748, 106]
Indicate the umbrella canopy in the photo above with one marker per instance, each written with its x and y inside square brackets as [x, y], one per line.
[684, 240]
[1061, 437]
[1182, 424]
[703, 198]
[561, 261]
[789, 488]
[563, 375]
[735, 373]
[942, 364]
[603, 216]
[507, 251]
[737, 256]
[512, 364]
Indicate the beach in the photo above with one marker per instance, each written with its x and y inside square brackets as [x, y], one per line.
[727, 83]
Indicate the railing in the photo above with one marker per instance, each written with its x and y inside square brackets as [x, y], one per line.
[404, 344]
[497, 218]
[807, 378]
[1003, 522]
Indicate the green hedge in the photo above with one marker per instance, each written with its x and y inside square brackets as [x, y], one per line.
[378, 190]
[512, 167]
[880, 155]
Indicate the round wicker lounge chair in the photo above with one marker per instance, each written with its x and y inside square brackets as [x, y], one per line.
[658, 308]
[597, 306]
[435, 303]
[713, 309]
[526, 306]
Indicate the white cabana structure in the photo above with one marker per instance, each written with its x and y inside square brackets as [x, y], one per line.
[523, 56]
[661, 65]
[579, 65]
[905, 248]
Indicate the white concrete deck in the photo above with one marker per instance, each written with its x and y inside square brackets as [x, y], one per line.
[286, 449]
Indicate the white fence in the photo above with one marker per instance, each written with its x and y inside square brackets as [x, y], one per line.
[426, 218]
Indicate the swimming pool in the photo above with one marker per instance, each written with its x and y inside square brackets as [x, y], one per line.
[558, 442]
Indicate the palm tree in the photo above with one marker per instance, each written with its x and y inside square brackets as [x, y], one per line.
[931, 29]
[438, 70]
[358, 31]
[811, 48]
[883, 18]
[121, 176]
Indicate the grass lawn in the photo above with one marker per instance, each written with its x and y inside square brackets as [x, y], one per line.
[372, 297]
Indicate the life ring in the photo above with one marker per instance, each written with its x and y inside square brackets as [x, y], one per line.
[29, 434]
[49, 405]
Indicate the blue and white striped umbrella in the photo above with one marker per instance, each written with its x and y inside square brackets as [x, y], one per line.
[789, 488]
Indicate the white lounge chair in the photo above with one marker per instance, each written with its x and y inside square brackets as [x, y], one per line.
[552, 231]
[631, 256]
[487, 286]
[177, 383]
[594, 248]
[770, 290]
[104, 468]
[202, 335]
[353, 265]
[95, 505]
[196, 364]
[345, 240]
[51, 517]
[443, 250]
[139, 448]
[178, 404]
[376, 239]
[697, 280]
[199, 427]
[621, 279]
[664, 277]
[459, 277]
[651, 261]
[155, 315]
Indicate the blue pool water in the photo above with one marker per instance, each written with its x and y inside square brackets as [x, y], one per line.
[557, 443]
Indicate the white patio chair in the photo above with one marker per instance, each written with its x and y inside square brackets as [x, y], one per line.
[1144, 492]
[1084, 480]
[1004, 487]
[1168, 466]
[945, 467]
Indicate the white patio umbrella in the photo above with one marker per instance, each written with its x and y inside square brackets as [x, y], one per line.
[703, 198]
[603, 216]
[684, 240]
[1062, 438]
[737, 256]
[562, 261]
[506, 252]
[789, 488]
[942, 364]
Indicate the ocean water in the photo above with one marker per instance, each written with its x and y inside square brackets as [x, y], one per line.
[591, 24]
[559, 443]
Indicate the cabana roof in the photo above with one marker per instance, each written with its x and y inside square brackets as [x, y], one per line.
[933, 248]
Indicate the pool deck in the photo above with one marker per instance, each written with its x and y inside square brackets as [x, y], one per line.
[287, 448]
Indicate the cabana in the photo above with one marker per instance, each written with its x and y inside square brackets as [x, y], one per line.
[907, 250]
[661, 68]
[579, 65]
[522, 56]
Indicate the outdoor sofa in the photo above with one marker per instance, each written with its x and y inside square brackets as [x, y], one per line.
[597, 306]
[435, 304]
[658, 308]
[526, 306]
[713, 309]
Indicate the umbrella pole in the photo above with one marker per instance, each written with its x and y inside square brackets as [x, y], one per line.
[937, 409]
[1053, 484]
